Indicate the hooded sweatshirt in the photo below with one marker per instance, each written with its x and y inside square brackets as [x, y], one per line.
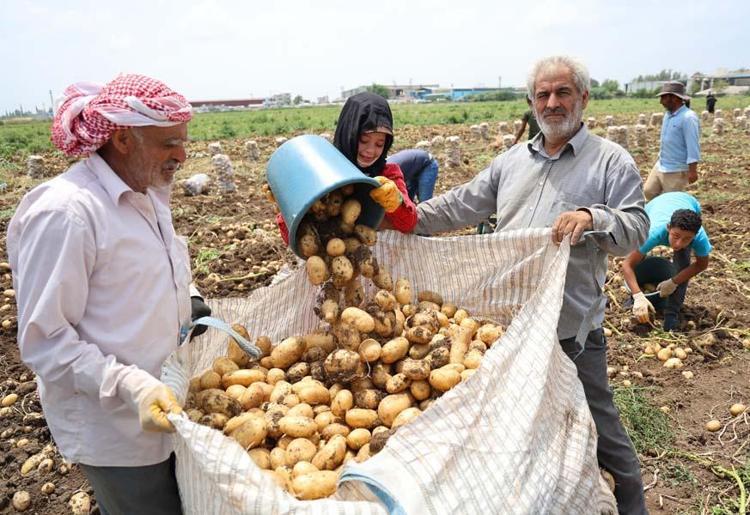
[368, 112]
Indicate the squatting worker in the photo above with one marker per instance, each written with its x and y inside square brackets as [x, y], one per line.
[679, 150]
[571, 180]
[103, 288]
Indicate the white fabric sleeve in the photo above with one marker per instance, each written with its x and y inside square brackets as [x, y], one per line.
[56, 256]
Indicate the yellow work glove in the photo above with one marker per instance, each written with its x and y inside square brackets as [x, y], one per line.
[154, 406]
[641, 307]
[150, 398]
[387, 195]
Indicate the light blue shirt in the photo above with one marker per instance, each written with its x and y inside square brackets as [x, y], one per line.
[680, 140]
[659, 211]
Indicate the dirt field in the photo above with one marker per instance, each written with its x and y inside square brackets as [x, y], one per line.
[236, 248]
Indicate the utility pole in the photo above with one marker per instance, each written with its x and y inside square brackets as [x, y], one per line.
[499, 82]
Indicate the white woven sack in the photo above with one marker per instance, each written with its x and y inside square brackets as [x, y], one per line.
[517, 437]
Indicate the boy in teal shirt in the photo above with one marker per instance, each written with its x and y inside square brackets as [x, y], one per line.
[675, 222]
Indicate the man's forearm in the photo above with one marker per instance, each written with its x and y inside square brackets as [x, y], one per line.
[692, 172]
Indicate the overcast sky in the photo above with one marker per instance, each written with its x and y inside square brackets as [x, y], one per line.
[231, 49]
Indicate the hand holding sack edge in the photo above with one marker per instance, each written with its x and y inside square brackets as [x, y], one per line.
[641, 307]
[666, 288]
[150, 398]
[387, 195]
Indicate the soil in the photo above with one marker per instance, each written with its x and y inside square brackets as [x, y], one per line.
[236, 248]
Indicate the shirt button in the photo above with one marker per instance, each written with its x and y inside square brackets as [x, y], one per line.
[542, 182]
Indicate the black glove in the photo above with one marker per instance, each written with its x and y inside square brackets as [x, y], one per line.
[198, 309]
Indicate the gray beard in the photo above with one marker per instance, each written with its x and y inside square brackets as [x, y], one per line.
[564, 129]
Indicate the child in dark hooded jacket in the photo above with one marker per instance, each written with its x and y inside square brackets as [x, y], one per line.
[364, 134]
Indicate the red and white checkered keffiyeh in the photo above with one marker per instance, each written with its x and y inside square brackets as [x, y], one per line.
[89, 113]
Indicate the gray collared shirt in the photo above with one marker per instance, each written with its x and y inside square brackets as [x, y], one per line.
[528, 188]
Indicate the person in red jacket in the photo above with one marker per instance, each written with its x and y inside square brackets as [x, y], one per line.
[364, 134]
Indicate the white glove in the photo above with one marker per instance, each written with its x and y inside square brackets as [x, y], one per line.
[641, 307]
[666, 288]
[150, 398]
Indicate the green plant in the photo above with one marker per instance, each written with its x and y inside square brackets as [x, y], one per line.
[204, 258]
[647, 426]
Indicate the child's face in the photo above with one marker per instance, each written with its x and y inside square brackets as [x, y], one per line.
[680, 238]
[370, 148]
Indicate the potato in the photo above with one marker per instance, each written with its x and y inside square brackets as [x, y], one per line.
[264, 344]
[280, 390]
[472, 359]
[369, 350]
[235, 422]
[194, 414]
[409, 310]
[210, 379]
[308, 245]
[477, 345]
[437, 358]
[357, 438]
[298, 427]
[448, 310]
[322, 340]
[302, 410]
[341, 365]
[223, 365]
[291, 400]
[467, 373]
[297, 372]
[333, 202]
[315, 485]
[214, 420]
[403, 291]
[394, 350]
[380, 375]
[460, 344]
[217, 401]
[359, 417]
[234, 351]
[300, 449]
[324, 419]
[253, 396]
[365, 234]
[261, 457]
[488, 333]
[303, 467]
[266, 362]
[314, 394]
[277, 457]
[342, 402]
[405, 417]
[368, 399]
[350, 211]
[419, 350]
[244, 377]
[397, 383]
[359, 319]
[332, 453]
[415, 369]
[443, 379]
[251, 433]
[235, 391]
[385, 300]
[334, 429]
[391, 406]
[379, 439]
[335, 247]
[459, 315]
[287, 352]
[383, 279]
[421, 390]
[317, 271]
[342, 269]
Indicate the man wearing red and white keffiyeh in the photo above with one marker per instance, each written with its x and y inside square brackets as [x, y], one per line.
[103, 288]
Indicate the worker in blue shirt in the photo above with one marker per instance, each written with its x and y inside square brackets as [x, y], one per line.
[420, 172]
[680, 151]
[676, 222]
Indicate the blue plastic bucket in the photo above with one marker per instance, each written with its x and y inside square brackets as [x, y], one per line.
[306, 168]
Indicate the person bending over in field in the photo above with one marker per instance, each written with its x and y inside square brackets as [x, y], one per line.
[675, 222]
[364, 134]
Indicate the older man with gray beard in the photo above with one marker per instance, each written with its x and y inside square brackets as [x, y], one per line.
[572, 181]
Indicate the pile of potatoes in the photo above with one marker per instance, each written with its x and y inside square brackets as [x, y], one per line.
[313, 402]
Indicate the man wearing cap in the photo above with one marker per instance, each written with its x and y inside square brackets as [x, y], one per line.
[680, 151]
[103, 288]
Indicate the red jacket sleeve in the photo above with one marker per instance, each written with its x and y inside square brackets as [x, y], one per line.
[282, 228]
[403, 219]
